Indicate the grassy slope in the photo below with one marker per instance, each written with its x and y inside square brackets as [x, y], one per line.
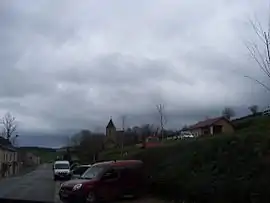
[46, 154]
[229, 168]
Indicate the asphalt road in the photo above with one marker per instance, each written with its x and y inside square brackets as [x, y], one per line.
[37, 185]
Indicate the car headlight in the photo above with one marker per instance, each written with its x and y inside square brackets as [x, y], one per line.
[77, 187]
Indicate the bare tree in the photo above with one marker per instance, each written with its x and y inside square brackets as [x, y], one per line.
[13, 140]
[9, 125]
[162, 119]
[90, 145]
[75, 140]
[253, 109]
[146, 130]
[260, 51]
[228, 112]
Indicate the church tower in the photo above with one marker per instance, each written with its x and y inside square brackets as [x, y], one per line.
[110, 140]
[110, 129]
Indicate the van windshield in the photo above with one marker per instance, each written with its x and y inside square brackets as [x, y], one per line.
[93, 172]
[61, 166]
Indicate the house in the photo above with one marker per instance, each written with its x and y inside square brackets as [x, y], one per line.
[212, 126]
[114, 138]
[28, 159]
[8, 158]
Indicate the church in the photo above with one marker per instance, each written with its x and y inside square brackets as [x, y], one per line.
[114, 138]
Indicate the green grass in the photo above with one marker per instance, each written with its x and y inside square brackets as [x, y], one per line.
[115, 154]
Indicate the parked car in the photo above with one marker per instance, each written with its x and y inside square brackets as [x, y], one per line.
[79, 170]
[106, 181]
[73, 165]
[186, 134]
[61, 170]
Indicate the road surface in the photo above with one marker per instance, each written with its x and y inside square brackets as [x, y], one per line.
[39, 185]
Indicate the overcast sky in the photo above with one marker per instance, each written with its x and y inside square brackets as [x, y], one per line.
[73, 64]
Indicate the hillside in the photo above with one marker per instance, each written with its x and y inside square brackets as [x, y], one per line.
[46, 154]
[224, 168]
[42, 140]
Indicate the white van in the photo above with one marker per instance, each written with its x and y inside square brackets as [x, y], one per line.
[61, 169]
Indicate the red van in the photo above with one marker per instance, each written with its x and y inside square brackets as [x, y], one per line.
[106, 181]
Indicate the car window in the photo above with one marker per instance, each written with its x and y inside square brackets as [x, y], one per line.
[74, 166]
[61, 166]
[80, 170]
[93, 172]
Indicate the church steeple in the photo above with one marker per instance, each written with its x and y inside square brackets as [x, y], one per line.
[110, 124]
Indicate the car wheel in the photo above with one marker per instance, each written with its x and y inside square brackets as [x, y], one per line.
[91, 197]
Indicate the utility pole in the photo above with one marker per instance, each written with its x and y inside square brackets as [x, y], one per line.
[160, 108]
[123, 128]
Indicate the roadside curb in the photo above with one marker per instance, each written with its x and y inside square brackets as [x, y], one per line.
[56, 190]
[20, 173]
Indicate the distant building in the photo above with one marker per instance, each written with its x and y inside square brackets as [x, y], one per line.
[113, 138]
[8, 158]
[28, 159]
[212, 126]
[266, 111]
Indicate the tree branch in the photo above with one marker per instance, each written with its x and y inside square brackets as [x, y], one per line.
[262, 84]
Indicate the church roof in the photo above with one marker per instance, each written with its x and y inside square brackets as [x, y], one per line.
[110, 124]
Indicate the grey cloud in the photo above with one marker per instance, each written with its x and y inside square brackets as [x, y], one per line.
[18, 83]
[72, 66]
[120, 69]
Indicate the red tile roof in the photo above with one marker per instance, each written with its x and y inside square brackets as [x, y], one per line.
[207, 122]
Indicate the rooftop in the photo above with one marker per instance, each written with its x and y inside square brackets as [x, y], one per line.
[207, 122]
[6, 144]
[110, 124]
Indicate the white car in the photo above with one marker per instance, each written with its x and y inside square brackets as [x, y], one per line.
[186, 134]
[61, 169]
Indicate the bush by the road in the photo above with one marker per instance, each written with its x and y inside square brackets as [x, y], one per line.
[226, 168]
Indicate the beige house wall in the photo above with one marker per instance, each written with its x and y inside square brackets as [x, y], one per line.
[196, 132]
[226, 126]
[7, 156]
[1, 158]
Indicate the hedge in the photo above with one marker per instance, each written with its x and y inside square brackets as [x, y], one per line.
[221, 169]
